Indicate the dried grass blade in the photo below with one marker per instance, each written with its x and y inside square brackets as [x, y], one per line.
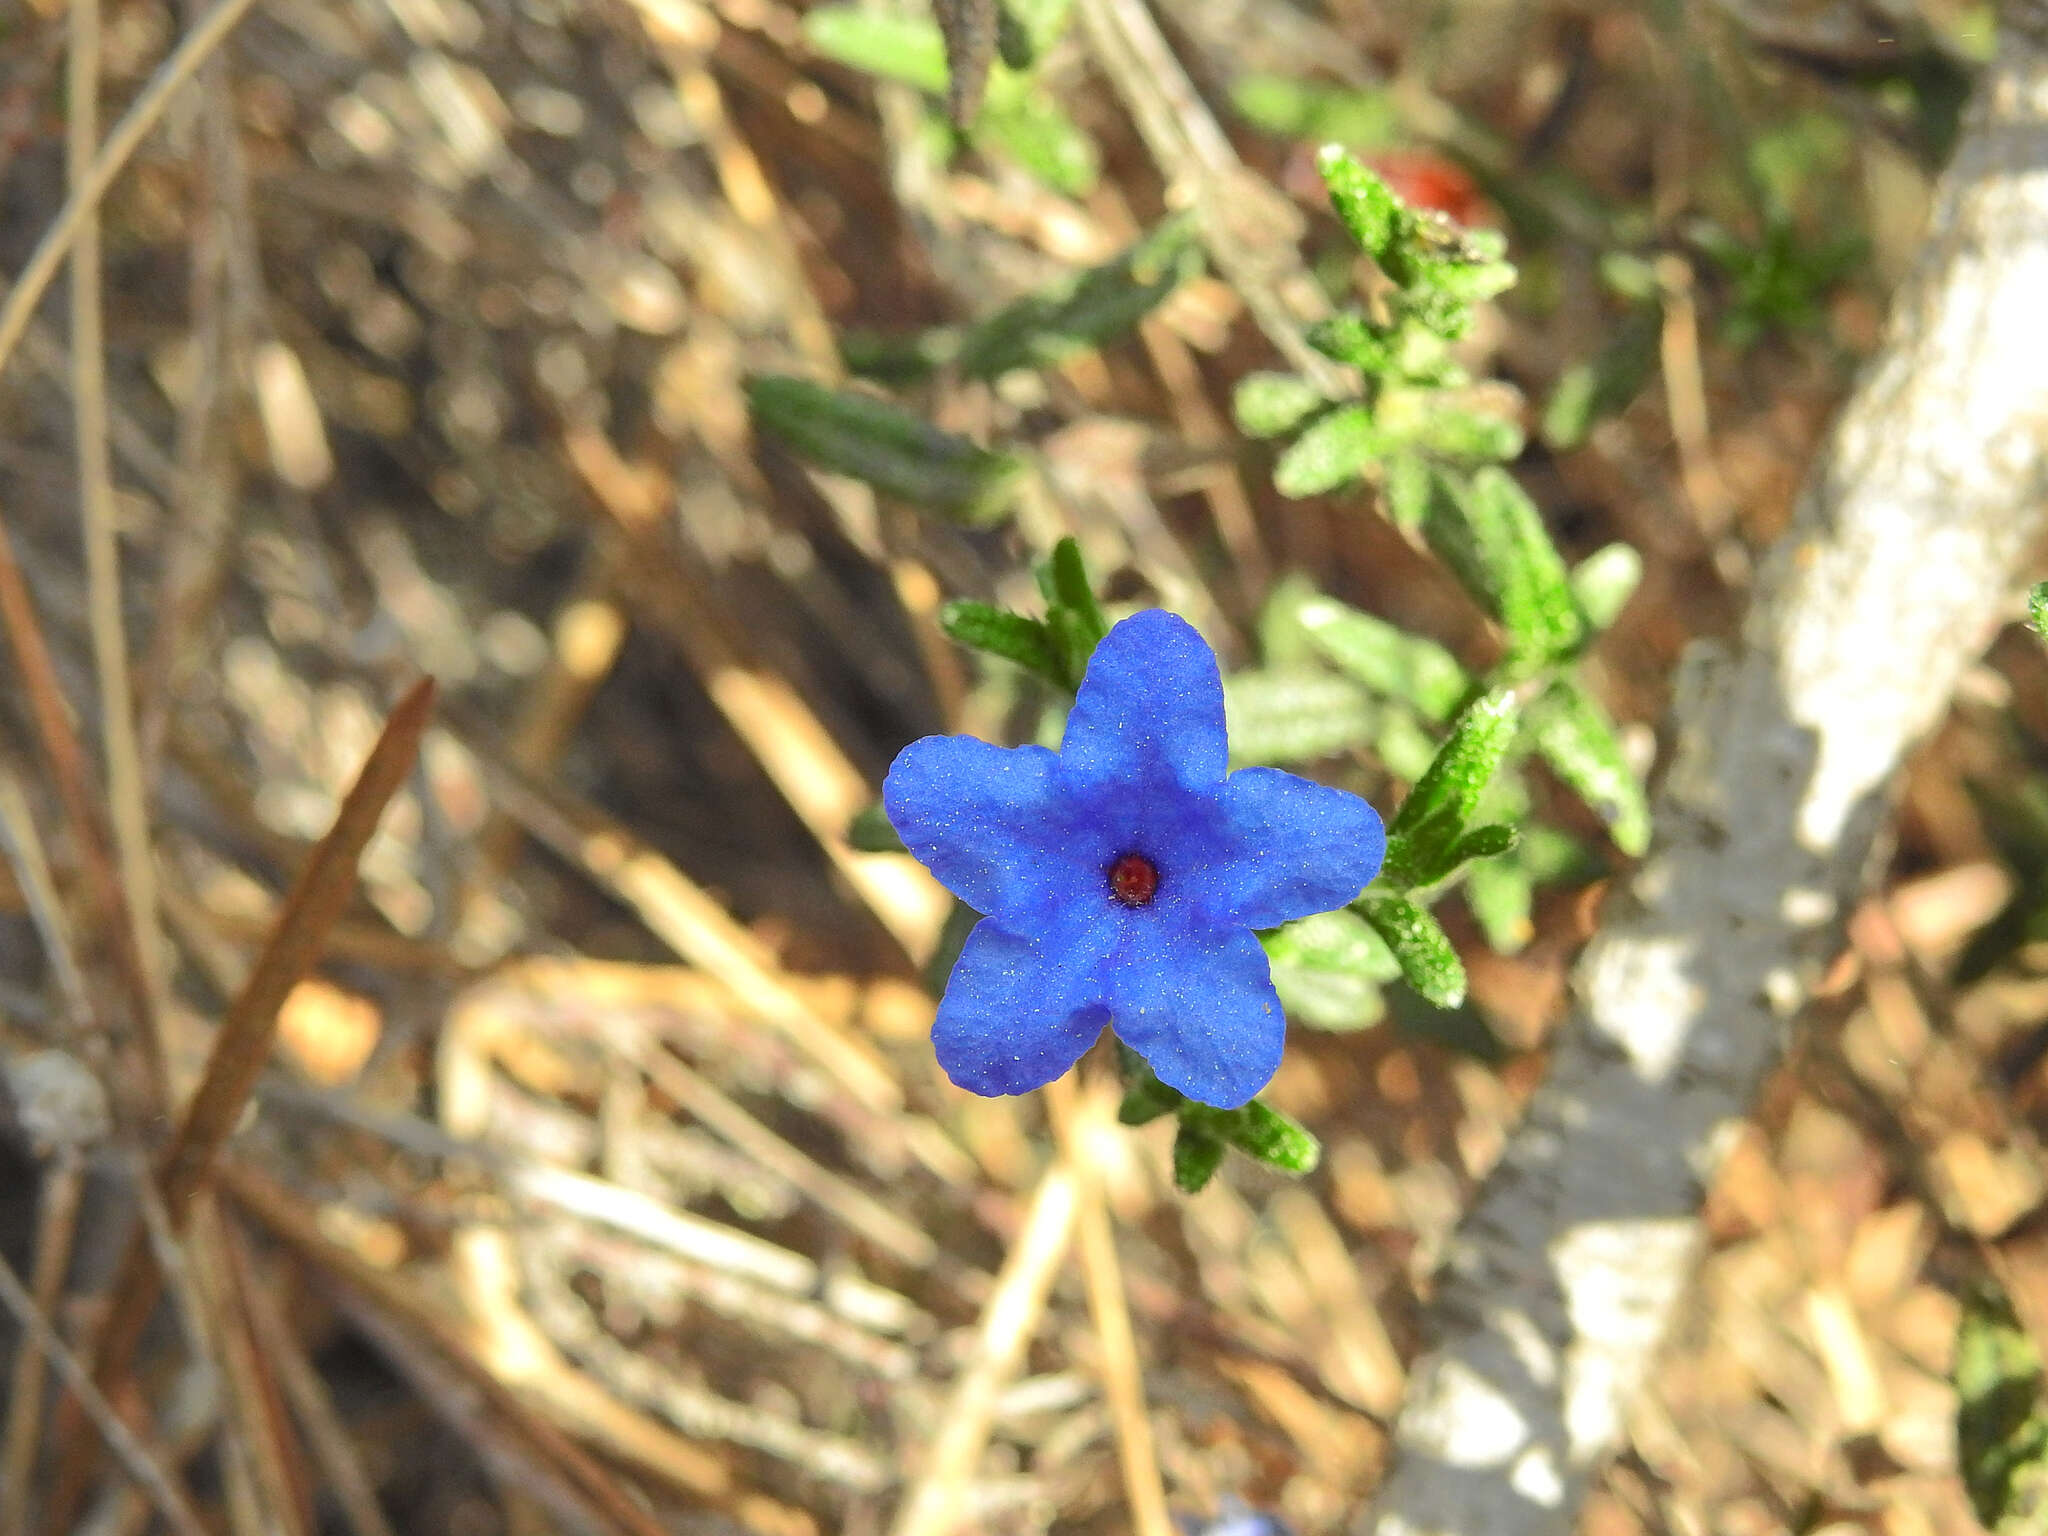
[316, 900]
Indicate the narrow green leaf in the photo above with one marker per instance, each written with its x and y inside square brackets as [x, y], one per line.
[871, 832]
[1301, 109]
[2037, 609]
[1268, 404]
[1575, 736]
[1605, 580]
[1381, 224]
[1427, 959]
[1037, 25]
[900, 48]
[892, 449]
[1352, 338]
[1386, 659]
[1146, 1099]
[1502, 898]
[1409, 484]
[1487, 842]
[1011, 636]
[1036, 132]
[1259, 1131]
[1336, 450]
[1425, 831]
[1086, 310]
[1294, 717]
[1064, 581]
[1492, 537]
[1196, 1157]
[1328, 970]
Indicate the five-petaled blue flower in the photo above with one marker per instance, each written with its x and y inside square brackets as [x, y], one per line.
[1122, 876]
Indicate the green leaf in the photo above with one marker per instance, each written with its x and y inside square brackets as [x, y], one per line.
[1277, 1140]
[892, 449]
[1575, 736]
[1294, 717]
[1502, 898]
[1383, 226]
[1063, 578]
[1328, 970]
[1386, 659]
[2001, 1425]
[2037, 609]
[1487, 842]
[1408, 486]
[870, 831]
[1338, 449]
[1036, 132]
[1352, 338]
[1423, 837]
[1147, 1098]
[1432, 424]
[1268, 404]
[1086, 310]
[1196, 1157]
[908, 51]
[1605, 580]
[1300, 109]
[1008, 635]
[1428, 961]
[1501, 891]
[1492, 537]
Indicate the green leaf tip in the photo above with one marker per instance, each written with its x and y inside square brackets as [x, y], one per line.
[1418, 941]
[892, 449]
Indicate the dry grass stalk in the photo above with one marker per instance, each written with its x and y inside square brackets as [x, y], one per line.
[125, 791]
[275, 1208]
[56, 1224]
[932, 1505]
[1076, 1119]
[135, 126]
[146, 1471]
[317, 898]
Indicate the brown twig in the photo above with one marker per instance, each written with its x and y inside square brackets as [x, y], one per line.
[317, 898]
[135, 1459]
[52, 716]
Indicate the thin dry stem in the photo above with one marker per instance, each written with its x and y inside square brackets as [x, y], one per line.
[1075, 1119]
[114, 155]
[56, 1224]
[932, 1507]
[326, 1436]
[147, 1473]
[125, 794]
[317, 898]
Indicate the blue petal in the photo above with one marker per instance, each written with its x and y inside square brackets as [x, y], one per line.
[1295, 847]
[1200, 1008]
[1150, 711]
[1014, 1016]
[990, 822]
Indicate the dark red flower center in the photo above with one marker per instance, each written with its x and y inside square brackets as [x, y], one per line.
[1134, 880]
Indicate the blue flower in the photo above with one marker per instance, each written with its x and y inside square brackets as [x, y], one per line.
[1121, 877]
